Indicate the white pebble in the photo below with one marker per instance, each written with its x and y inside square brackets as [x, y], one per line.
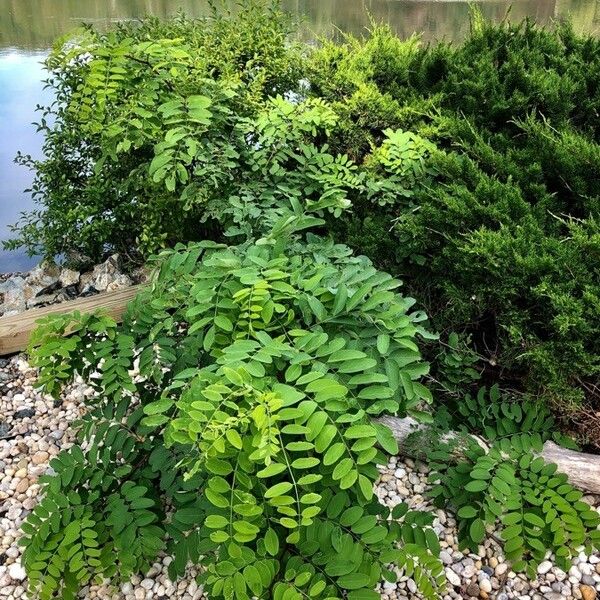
[16, 572]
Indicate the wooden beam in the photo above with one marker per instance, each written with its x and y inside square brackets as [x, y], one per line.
[16, 329]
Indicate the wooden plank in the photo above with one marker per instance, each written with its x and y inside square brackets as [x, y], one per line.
[16, 329]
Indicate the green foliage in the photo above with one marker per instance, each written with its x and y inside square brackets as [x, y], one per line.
[144, 113]
[495, 416]
[534, 507]
[472, 169]
[509, 488]
[233, 420]
[457, 365]
[503, 243]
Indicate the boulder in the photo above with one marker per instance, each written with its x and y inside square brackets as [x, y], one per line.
[105, 273]
[46, 299]
[118, 283]
[68, 278]
[42, 280]
[12, 294]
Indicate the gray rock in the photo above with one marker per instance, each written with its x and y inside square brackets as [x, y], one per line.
[544, 567]
[24, 413]
[68, 277]
[452, 577]
[11, 290]
[42, 280]
[105, 273]
[45, 299]
[588, 580]
[4, 429]
[118, 283]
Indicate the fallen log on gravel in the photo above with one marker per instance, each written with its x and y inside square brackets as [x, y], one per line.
[583, 470]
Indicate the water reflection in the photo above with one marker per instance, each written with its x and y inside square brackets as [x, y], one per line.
[20, 90]
[34, 24]
[28, 28]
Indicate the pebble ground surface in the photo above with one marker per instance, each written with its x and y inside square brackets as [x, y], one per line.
[34, 428]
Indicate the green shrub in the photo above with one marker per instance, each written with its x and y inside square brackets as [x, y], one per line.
[503, 243]
[233, 420]
[509, 487]
[173, 89]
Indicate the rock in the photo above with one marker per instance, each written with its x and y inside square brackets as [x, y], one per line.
[469, 571]
[587, 592]
[473, 590]
[42, 280]
[544, 567]
[575, 573]
[485, 585]
[68, 277]
[16, 572]
[39, 458]
[4, 429]
[127, 588]
[452, 577]
[501, 569]
[46, 299]
[105, 273]
[445, 557]
[24, 413]
[12, 292]
[22, 486]
[119, 282]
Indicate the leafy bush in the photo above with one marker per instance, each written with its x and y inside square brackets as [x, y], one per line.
[534, 508]
[143, 113]
[503, 243]
[233, 420]
[508, 487]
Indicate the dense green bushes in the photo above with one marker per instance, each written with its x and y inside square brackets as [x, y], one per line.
[170, 91]
[183, 130]
[505, 244]
[232, 421]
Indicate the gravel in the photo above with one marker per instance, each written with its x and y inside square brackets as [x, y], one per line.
[33, 429]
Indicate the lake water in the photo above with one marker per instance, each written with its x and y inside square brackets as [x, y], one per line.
[28, 27]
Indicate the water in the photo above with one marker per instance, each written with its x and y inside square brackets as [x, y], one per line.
[28, 28]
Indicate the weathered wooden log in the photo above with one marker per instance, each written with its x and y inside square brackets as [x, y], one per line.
[15, 330]
[583, 470]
